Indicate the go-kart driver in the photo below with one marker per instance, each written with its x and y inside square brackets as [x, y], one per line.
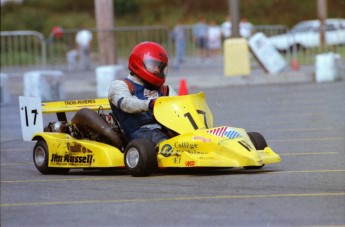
[132, 99]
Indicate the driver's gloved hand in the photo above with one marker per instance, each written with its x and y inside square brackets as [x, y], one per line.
[151, 104]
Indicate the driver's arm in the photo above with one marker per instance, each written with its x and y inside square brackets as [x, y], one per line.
[122, 98]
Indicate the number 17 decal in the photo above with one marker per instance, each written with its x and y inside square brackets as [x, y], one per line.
[30, 116]
[35, 112]
[192, 121]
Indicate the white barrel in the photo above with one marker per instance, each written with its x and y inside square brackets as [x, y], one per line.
[104, 76]
[327, 67]
[4, 92]
[46, 85]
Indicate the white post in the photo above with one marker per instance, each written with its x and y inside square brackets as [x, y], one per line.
[4, 93]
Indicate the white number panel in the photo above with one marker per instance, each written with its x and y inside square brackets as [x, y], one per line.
[30, 116]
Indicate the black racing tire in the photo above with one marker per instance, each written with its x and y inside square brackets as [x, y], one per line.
[140, 157]
[254, 167]
[40, 157]
[259, 143]
[258, 140]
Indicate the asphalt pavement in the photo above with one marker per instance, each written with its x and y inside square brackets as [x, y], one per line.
[303, 122]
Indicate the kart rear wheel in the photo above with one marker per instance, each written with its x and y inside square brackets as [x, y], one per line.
[140, 157]
[259, 143]
[41, 155]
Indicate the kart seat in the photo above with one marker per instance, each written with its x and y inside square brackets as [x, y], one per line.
[125, 140]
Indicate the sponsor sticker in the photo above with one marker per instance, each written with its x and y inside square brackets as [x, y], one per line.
[203, 139]
[189, 163]
[224, 131]
[72, 159]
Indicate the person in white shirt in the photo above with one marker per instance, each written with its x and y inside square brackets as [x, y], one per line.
[226, 28]
[246, 28]
[214, 38]
[83, 40]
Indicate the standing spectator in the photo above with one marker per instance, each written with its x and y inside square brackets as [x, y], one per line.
[226, 28]
[200, 33]
[179, 35]
[246, 28]
[83, 40]
[214, 38]
[72, 56]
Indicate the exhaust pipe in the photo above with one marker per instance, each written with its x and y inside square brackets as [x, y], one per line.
[92, 120]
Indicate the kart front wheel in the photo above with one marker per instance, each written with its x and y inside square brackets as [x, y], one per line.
[41, 155]
[258, 140]
[140, 157]
[259, 143]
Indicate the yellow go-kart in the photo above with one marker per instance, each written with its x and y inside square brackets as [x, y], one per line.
[92, 139]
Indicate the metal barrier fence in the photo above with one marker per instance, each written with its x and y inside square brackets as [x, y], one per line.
[126, 38]
[23, 49]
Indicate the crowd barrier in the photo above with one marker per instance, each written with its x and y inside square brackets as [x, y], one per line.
[22, 50]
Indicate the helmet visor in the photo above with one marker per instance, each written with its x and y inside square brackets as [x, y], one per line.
[155, 66]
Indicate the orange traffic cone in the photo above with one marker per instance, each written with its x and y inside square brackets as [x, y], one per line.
[183, 90]
[294, 64]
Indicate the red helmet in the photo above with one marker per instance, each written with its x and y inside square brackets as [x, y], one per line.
[149, 61]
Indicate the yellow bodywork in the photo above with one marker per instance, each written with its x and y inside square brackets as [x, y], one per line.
[68, 152]
[75, 105]
[198, 143]
[201, 149]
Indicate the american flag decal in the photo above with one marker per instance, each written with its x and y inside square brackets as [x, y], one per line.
[224, 131]
[232, 134]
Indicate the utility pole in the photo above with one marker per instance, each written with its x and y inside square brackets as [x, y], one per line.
[104, 11]
[234, 11]
[322, 14]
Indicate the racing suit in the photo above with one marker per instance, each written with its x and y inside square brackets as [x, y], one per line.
[130, 103]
